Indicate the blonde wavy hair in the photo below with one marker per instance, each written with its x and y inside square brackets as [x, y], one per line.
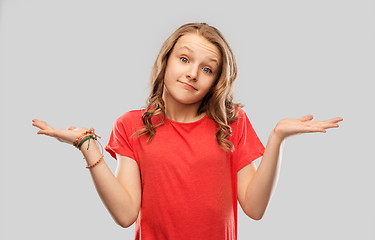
[217, 103]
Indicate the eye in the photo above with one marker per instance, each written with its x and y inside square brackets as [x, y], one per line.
[184, 59]
[207, 70]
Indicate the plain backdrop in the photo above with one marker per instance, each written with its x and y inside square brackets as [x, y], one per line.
[86, 62]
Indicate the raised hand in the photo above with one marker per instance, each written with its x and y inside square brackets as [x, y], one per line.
[291, 126]
[67, 136]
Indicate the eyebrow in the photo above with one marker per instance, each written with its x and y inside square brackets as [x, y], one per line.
[190, 50]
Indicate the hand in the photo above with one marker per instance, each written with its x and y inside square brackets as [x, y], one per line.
[291, 126]
[67, 136]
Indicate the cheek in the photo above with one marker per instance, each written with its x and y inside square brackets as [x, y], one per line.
[209, 83]
[171, 71]
[168, 75]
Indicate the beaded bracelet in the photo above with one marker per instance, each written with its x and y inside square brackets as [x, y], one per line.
[94, 164]
[90, 134]
[78, 142]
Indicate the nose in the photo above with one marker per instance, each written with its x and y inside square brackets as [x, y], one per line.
[192, 73]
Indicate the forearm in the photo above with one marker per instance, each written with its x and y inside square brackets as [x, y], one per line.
[263, 184]
[115, 197]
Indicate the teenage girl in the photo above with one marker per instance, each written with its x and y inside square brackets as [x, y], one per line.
[185, 160]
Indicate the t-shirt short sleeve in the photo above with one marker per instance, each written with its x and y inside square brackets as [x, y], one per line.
[120, 141]
[248, 146]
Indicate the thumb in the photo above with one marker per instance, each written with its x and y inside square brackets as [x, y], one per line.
[71, 128]
[307, 118]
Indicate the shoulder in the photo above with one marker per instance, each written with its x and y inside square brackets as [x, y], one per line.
[241, 116]
[130, 121]
[240, 112]
[241, 124]
[132, 115]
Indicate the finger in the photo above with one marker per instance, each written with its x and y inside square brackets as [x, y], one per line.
[38, 122]
[337, 119]
[334, 125]
[41, 126]
[307, 118]
[325, 124]
[45, 132]
[318, 130]
[334, 120]
[35, 121]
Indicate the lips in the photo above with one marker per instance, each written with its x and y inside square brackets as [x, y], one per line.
[186, 84]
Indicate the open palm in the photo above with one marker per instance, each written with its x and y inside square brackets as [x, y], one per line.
[68, 136]
[291, 126]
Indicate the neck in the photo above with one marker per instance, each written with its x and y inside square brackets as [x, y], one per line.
[181, 112]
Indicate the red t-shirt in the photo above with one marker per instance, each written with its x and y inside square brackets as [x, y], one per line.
[189, 183]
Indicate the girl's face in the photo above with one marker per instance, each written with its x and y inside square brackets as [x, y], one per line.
[192, 69]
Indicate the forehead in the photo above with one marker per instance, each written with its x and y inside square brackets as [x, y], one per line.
[199, 45]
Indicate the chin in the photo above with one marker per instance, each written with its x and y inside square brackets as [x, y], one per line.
[188, 101]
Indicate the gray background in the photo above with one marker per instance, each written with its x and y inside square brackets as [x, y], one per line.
[85, 63]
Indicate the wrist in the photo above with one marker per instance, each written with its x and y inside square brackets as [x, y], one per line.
[89, 146]
[86, 143]
[277, 136]
[92, 155]
[85, 139]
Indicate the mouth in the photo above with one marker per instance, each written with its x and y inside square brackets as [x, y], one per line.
[188, 85]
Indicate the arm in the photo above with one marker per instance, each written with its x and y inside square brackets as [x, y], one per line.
[256, 186]
[121, 195]
[260, 183]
